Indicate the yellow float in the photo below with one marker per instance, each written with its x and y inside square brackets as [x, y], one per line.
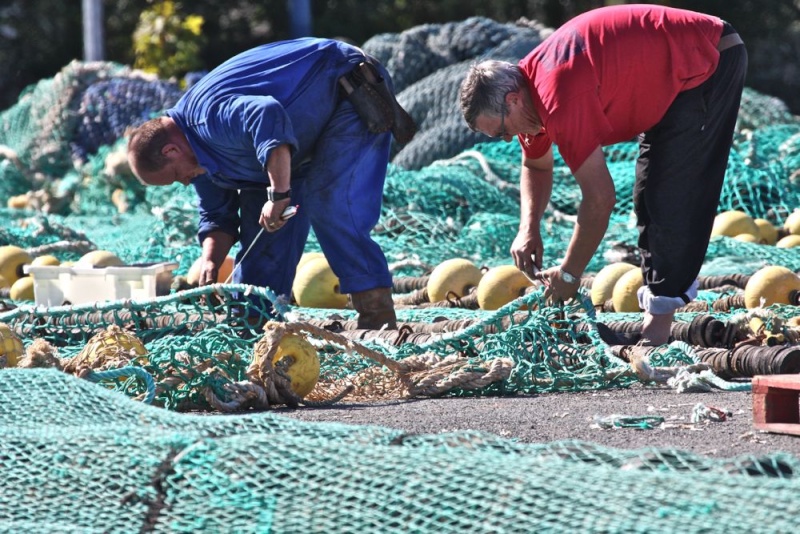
[47, 260]
[12, 258]
[225, 270]
[453, 278]
[113, 347]
[308, 256]
[792, 223]
[624, 294]
[771, 285]
[605, 280]
[500, 285]
[317, 286]
[99, 259]
[767, 232]
[299, 360]
[11, 348]
[789, 241]
[732, 223]
[22, 289]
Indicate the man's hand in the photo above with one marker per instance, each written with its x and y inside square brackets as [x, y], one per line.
[271, 218]
[208, 273]
[557, 289]
[527, 251]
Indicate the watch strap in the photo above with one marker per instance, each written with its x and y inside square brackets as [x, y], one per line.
[567, 277]
[273, 195]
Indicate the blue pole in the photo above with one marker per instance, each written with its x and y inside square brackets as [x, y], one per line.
[93, 30]
[299, 18]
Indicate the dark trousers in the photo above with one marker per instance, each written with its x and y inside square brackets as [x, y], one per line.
[679, 176]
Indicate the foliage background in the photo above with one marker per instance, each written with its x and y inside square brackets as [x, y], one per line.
[39, 37]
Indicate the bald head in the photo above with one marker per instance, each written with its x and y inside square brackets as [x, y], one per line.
[145, 146]
[159, 153]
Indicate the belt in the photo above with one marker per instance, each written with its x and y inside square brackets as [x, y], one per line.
[727, 41]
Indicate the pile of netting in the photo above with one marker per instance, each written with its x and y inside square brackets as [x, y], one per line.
[77, 458]
[449, 194]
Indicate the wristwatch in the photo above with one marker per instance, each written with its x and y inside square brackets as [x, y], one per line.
[273, 195]
[568, 278]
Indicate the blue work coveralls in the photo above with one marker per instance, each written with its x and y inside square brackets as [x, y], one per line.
[288, 93]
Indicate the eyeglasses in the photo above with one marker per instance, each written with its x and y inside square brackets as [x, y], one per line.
[503, 132]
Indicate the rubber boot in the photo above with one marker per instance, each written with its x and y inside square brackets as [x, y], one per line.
[375, 309]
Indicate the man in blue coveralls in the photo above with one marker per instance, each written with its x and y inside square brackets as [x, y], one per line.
[305, 122]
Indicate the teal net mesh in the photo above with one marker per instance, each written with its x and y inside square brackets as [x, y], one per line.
[95, 443]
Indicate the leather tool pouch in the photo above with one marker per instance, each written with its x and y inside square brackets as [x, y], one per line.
[366, 89]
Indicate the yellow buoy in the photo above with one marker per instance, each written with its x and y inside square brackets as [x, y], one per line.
[46, 260]
[317, 286]
[111, 346]
[100, 259]
[453, 278]
[225, 270]
[500, 285]
[789, 241]
[624, 294]
[4, 283]
[303, 363]
[767, 232]
[747, 238]
[605, 280]
[771, 285]
[12, 259]
[120, 199]
[306, 257]
[11, 348]
[18, 202]
[792, 223]
[732, 223]
[22, 289]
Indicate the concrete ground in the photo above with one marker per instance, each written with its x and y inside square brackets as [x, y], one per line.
[564, 416]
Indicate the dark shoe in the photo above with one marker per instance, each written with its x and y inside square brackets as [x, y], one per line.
[375, 309]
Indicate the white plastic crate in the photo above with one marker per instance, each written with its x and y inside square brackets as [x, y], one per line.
[79, 284]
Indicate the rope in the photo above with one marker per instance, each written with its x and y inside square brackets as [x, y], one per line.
[492, 177]
[126, 372]
[686, 381]
[422, 375]
[455, 372]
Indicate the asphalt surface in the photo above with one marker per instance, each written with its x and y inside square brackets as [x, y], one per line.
[579, 416]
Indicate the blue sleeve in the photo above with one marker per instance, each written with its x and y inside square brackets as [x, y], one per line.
[258, 123]
[218, 207]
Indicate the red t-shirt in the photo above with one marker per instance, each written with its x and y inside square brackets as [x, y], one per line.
[611, 73]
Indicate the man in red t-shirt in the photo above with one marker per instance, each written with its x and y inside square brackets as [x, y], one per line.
[674, 78]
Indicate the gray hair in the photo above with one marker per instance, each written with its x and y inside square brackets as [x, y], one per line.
[484, 89]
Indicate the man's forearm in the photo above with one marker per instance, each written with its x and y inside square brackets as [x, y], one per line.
[597, 203]
[586, 237]
[216, 246]
[536, 186]
[279, 167]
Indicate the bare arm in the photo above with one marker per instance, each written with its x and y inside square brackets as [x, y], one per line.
[598, 197]
[216, 246]
[536, 185]
[279, 172]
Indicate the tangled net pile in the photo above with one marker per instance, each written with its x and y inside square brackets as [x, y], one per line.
[134, 467]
